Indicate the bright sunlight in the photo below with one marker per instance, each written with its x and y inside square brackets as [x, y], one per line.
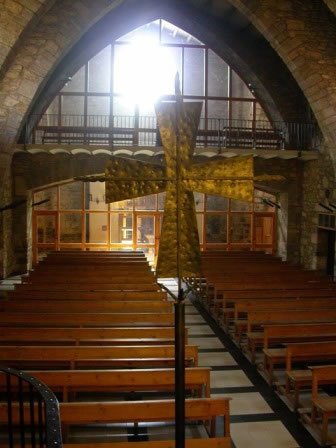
[144, 71]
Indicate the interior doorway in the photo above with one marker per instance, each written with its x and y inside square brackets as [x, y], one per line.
[45, 233]
[325, 254]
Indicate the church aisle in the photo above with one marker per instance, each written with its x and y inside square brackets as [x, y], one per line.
[258, 416]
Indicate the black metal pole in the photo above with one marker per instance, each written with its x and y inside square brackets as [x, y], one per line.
[179, 371]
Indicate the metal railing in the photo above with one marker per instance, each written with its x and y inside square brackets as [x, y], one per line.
[118, 130]
[30, 412]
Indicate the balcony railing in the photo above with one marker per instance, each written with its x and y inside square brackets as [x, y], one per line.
[117, 130]
[30, 416]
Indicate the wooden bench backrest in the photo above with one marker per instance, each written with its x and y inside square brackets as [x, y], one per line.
[290, 293]
[324, 374]
[282, 285]
[273, 331]
[69, 279]
[213, 442]
[135, 411]
[53, 334]
[97, 261]
[284, 304]
[308, 350]
[88, 295]
[116, 379]
[88, 287]
[263, 317]
[79, 306]
[225, 277]
[86, 319]
[71, 353]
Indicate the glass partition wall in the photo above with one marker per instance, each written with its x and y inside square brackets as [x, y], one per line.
[77, 217]
[110, 99]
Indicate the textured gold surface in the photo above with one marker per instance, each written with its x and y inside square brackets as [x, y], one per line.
[178, 124]
[232, 178]
[129, 179]
[179, 253]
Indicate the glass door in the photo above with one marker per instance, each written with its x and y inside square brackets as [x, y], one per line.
[263, 238]
[145, 233]
[45, 234]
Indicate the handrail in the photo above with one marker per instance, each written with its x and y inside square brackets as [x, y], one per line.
[119, 130]
[27, 395]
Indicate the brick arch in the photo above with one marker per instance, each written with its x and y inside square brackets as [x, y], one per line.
[304, 35]
[331, 5]
[280, 95]
[16, 19]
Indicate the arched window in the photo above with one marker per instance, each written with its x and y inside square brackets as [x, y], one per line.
[110, 99]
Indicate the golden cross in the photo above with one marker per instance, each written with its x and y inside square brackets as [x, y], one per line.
[179, 252]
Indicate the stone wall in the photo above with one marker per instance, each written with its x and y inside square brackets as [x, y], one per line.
[288, 193]
[318, 177]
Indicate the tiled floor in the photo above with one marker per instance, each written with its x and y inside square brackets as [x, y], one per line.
[258, 417]
[264, 429]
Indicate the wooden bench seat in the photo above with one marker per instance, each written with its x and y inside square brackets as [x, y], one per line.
[93, 261]
[294, 352]
[88, 286]
[229, 299]
[321, 406]
[73, 357]
[197, 380]
[207, 410]
[275, 334]
[296, 380]
[241, 324]
[71, 277]
[89, 336]
[79, 306]
[85, 319]
[212, 442]
[87, 295]
[228, 277]
[259, 318]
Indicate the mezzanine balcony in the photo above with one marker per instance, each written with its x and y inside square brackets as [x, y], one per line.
[111, 132]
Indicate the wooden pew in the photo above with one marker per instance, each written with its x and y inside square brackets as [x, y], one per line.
[87, 295]
[260, 318]
[230, 298]
[305, 351]
[222, 290]
[86, 413]
[273, 306]
[324, 406]
[93, 261]
[106, 269]
[197, 380]
[81, 286]
[89, 336]
[298, 379]
[213, 442]
[79, 306]
[85, 319]
[241, 309]
[284, 333]
[71, 277]
[73, 357]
